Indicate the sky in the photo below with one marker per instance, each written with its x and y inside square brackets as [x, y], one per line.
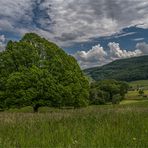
[95, 32]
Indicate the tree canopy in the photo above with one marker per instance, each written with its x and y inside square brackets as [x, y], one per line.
[105, 91]
[37, 72]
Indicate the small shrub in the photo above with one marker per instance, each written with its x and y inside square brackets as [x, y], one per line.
[141, 92]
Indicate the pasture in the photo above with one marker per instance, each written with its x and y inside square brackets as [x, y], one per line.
[124, 126]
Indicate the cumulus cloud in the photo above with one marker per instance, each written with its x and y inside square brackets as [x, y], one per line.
[97, 52]
[117, 53]
[142, 47]
[70, 21]
[95, 56]
[98, 56]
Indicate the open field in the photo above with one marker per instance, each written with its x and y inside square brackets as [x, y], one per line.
[134, 95]
[95, 126]
[142, 83]
[123, 126]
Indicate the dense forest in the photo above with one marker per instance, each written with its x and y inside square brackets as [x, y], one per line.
[131, 69]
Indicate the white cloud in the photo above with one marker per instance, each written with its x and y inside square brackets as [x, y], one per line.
[97, 56]
[138, 39]
[142, 47]
[124, 34]
[97, 52]
[117, 53]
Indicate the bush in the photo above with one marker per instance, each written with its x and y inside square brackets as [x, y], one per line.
[98, 96]
[141, 92]
[116, 99]
[108, 91]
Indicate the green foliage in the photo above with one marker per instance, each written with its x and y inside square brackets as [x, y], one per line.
[98, 96]
[37, 72]
[108, 91]
[124, 70]
[141, 92]
[116, 99]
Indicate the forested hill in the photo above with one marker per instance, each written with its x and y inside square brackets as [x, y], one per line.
[130, 69]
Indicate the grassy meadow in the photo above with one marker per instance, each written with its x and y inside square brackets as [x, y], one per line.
[141, 83]
[124, 125]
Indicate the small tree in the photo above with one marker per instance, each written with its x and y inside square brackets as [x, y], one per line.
[124, 87]
[141, 92]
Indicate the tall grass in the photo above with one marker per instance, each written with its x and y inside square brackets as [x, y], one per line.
[94, 126]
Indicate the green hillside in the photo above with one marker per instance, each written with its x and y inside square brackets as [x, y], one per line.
[140, 83]
[130, 69]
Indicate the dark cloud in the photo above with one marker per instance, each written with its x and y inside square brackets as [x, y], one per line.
[41, 15]
[71, 21]
[69, 36]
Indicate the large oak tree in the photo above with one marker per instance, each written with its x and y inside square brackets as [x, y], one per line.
[37, 72]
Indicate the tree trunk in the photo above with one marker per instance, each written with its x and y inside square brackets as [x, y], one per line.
[35, 108]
